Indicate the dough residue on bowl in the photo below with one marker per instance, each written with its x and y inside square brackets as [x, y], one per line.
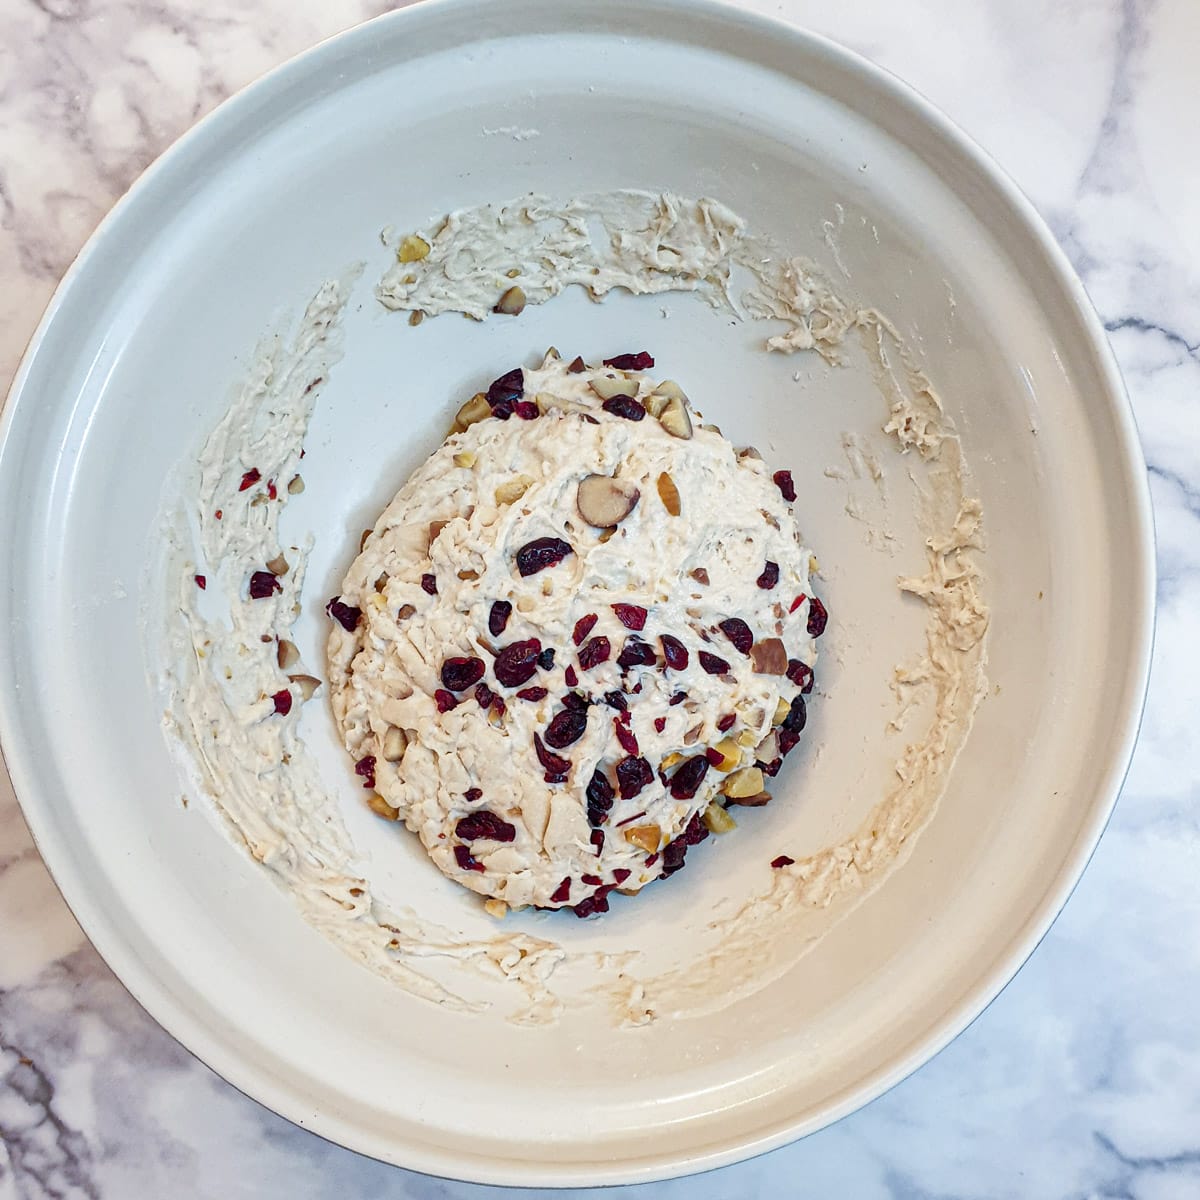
[225, 678]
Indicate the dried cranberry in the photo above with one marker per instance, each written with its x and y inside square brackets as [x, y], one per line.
[429, 583]
[770, 769]
[817, 618]
[616, 700]
[546, 659]
[597, 902]
[712, 664]
[687, 779]
[632, 616]
[541, 553]
[533, 693]
[799, 600]
[769, 577]
[800, 674]
[556, 766]
[583, 627]
[660, 723]
[797, 716]
[484, 696]
[346, 615]
[738, 632]
[504, 392]
[714, 756]
[576, 701]
[562, 893]
[626, 737]
[466, 860]
[651, 859]
[566, 728]
[526, 410]
[218, 514]
[788, 740]
[250, 478]
[571, 677]
[633, 774]
[366, 768]
[517, 662]
[485, 825]
[498, 617]
[641, 361]
[674, 652]
[635, 653]
[458, 674]
[625, 406]
[264, 584]
[597, 840]
[782, 861]
[725, 724]
[283, 702]
[783, 481]
[678, 698]
[272, 492]
[444, 700]
[592, 880]
[675, 854]
[201, 582]
[473, 794]
[599, 798]
[498, 706]
[595, 652]
[620, 874]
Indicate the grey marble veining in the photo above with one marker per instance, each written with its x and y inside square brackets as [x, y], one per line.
[1083, 1079]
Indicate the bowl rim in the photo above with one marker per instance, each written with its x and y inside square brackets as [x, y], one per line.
[201, 1041]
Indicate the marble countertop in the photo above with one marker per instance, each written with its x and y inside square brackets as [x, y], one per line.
[1083, 1078]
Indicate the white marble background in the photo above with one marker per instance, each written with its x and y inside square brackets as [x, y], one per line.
[1083, 1078]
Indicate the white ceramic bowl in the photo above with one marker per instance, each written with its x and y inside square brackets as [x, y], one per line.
[290, 181]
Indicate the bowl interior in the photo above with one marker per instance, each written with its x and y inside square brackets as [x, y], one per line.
[392, 125]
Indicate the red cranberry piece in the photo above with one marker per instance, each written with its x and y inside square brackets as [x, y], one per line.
[272, 491]
[782, 861]
[484, 695]
[797, 716]
[817, 618]
[641, 361]
[800, 674]
[675, 854]
[633, 774]
[575, 701]
[473, 794]
[632, 616]
[769, 577]
[799, 600]
[218, 514]
[592, 880]
[770, 769]
[783, 481]
[562, 893]
[599, 800]
[714, 756]
[687, 779]
[526, 410]
[635, 653]
[498, 704]
[651, 859]
[616, 700]
[485, 825]
[283, 702]
[625, 406]
[678, 698]
[597, 839]
[429, 583]
[541, 553]
[517, 662]
[366, 768]
[466, 860]
[625, 736]
[201, 582]
[498, 617]
[738, 632]
[444, 700]
[620, 874]
[459, 674]
[566, 728]
[503, 393]
[546, 659]
[571, 677]
[788, 740]
[533, 693]
[263, 584]
[660, 723]
[712, 664]
[250, 478]
[346, 615]
[597, 902]
[725, 724]
[556, 766]
[583, 627]
[674, 652]
[595, 652]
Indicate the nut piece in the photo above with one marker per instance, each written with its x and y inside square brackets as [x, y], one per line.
[717, 820]
[395, 742]
[668, 493]
[768, 749]
[782, 708]
[512, 303]
[750, 452]
[604, 501]
[495, 908]
[306, 685]
[755, 801]
[646, 837]
[381, 808]
[700, 575]
[278, 565]
[286, 654]
[435, 528]
[295, 486]
[769, 657]
[474, 410]
[746, 782]
[412, 249]
[670, 390]
[608, 386]
[512, 490]
[465, 458]
[416, 316]
[406, 611]
[730, 752]
[675, 420]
